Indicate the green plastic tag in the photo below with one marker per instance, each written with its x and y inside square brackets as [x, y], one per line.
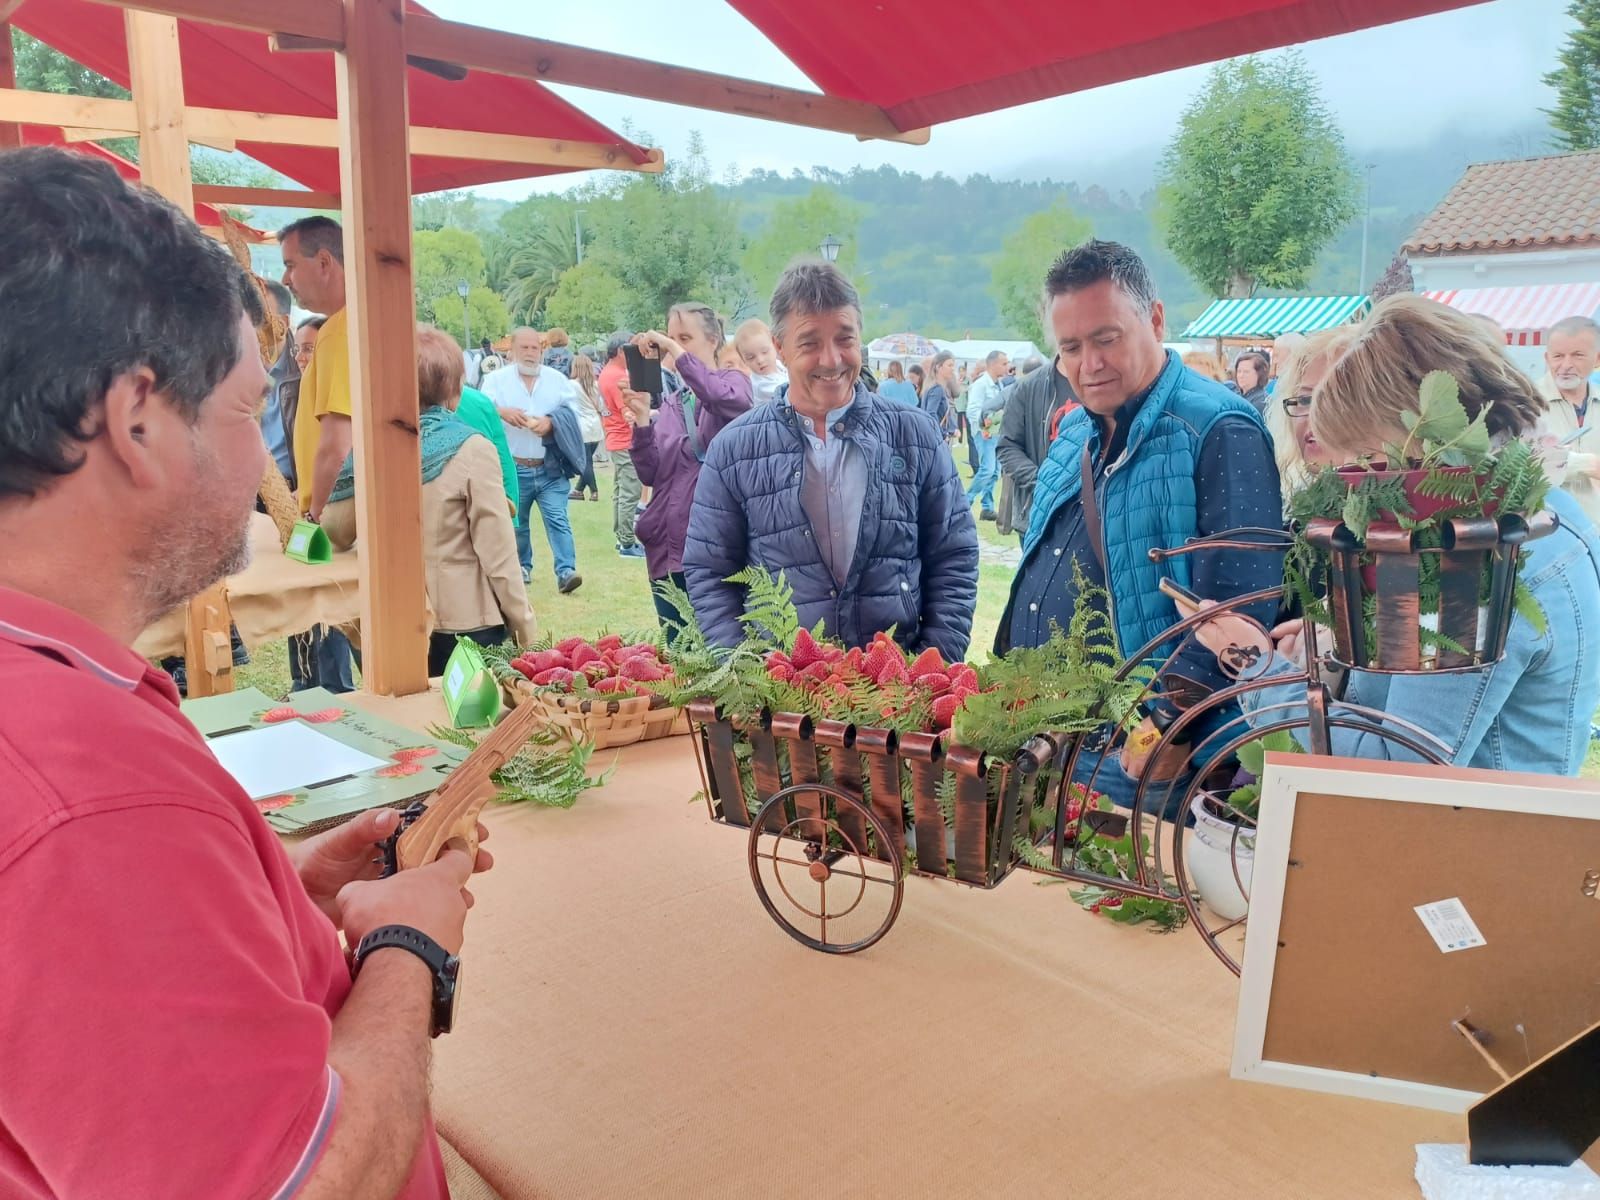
[308, 543]
[471, 694]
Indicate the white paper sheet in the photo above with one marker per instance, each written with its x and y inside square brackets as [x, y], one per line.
[287, 757]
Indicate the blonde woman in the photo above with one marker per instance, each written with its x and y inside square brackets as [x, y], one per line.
[469, 548]
[586, 400]
[1203, 362]
[1527, 712]
[1300, 456]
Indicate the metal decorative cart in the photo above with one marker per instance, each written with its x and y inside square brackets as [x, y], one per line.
[836, 816]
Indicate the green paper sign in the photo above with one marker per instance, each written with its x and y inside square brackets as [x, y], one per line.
[471, 692]
[308, 543]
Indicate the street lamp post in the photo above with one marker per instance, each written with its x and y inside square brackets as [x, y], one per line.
[1366, 223]
[466, 321]
[577, 231]
[830, 248]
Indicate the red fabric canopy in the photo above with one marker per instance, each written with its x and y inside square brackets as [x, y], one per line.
[204, 214]
[928, 61]
[230, 68]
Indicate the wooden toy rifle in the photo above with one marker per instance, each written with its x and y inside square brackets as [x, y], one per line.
[451, 812]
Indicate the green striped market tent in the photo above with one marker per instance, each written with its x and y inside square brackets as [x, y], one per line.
[1268, 316]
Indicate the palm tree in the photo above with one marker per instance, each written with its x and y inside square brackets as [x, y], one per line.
[525, 268]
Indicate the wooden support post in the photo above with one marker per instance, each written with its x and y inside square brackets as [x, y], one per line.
[10, 132]
[157, 77]
[375, 183]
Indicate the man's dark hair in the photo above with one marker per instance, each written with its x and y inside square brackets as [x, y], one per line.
[316, 234]
[615, 343]
[99, 278]
[811, 286]
[280, 296]
[1095, 261]
[313, 322]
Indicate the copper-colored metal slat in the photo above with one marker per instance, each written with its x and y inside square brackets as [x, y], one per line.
[726, 785]
[769, 780]
[972, 812]
[878, 750]
[1399, 612]
[840, 741]
[795, 731]
[922, 751]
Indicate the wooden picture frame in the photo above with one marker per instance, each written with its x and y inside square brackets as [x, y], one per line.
[1345, 990]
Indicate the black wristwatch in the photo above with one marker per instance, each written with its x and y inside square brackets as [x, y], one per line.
[446, 967]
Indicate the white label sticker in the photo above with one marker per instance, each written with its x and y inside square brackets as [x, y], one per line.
[458, 676]
[1448, 923]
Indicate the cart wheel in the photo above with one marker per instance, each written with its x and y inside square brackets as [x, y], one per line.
[792, 864]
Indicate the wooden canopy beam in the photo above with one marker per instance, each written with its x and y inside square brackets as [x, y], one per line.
[254, 197]
[157, 79]
[10, 131]
[555, 62]
[375, 178]
[117, 118]
[310, 18]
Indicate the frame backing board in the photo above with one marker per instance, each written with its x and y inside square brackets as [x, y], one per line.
[1345, 990]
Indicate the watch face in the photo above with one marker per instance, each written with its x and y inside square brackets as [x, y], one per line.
[447, 995]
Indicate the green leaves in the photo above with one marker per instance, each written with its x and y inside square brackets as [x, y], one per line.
[1015, 278]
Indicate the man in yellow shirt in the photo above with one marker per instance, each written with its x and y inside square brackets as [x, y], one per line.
[313, 269]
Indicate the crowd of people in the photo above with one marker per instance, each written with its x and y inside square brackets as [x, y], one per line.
[146, 897]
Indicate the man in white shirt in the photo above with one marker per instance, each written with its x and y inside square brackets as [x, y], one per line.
[1572, 350]
[983, 397]
[525, 395]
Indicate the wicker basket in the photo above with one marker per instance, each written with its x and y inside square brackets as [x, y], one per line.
[605, 722]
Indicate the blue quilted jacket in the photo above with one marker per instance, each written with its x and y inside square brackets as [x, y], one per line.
[916, 560]
[1147, 498]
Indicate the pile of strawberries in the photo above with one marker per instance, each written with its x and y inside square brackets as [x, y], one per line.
[607, 666]
[820, 668]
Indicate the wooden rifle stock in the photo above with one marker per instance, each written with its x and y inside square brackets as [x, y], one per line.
[452, 811]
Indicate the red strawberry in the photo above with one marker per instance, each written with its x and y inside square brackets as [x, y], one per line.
[833, 655]
[806, 651]
[929, 661]
[781, 671]
[961, 675]
[323, 716]
[274, 803]
[596, 670]
[614, 685]
[944, 710]
[273, 715]
[842, 690]
[775, 657]
[642, 670]
[876, 659]
[585, 654]
[556, 677]
[570, 644]
[543, 660]
[638, 649]
[398, 770]
[611, 641]
[523, 667]
[413, 753]
[936, 682]
[852, 660]
[817, 671]
[894, 671]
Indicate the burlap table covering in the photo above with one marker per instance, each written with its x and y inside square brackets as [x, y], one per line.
[273, 597]
[632, 1024]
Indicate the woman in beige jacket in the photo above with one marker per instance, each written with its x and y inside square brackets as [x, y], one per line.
[468, 544]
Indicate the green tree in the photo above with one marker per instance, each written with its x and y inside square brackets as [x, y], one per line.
[41, 68]
[669, 238]
[589, 303]
[1257, 180]
[440, 260]
[538, 247]
[490, 319]
[797, 227]
[1576, 116]
[1017, 278]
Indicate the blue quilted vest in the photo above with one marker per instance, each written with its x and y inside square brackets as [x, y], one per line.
[1147, 498]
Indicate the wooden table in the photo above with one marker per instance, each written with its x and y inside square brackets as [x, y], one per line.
[273, 597]
[633, 1024]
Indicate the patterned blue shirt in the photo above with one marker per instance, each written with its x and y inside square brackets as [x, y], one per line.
[833, 492]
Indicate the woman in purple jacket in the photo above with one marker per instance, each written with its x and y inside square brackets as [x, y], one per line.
[669, 442]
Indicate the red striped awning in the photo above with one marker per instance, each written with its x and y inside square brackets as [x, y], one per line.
[1525, 312]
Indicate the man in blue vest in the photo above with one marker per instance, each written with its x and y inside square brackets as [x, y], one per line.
[1169, 456]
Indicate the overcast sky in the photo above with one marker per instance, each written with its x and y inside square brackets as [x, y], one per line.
[1393, 86]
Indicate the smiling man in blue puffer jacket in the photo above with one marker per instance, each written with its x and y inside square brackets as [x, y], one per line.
[854, 498]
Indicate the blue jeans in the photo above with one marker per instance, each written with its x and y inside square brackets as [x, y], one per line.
[320, 658]
[547, 489]
[983, 481]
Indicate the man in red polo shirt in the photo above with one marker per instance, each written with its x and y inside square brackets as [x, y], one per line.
[177, 1017]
